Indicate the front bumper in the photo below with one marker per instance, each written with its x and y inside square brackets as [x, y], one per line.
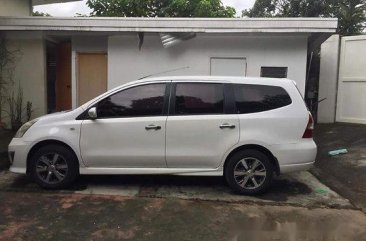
[18, 153]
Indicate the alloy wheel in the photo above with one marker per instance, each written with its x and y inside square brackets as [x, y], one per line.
[51, 168]
[250, 173]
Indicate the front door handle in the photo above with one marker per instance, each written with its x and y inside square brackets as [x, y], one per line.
[152, 127]
[227, 125]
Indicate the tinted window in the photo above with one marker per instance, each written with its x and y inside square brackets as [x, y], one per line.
[274, 72]
[257, 98]
[145, 100]
[199, 98]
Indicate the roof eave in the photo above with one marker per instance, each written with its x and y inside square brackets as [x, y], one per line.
[198, 25]
[44, 2]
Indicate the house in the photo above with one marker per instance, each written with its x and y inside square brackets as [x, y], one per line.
[67, 61]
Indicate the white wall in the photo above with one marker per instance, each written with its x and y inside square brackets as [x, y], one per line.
[84, 44]
[15, 7]
[127, 63]
[328, 78]
[30, 70]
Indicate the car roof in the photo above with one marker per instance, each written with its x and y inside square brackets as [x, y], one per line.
[202, 78]
[219, 79]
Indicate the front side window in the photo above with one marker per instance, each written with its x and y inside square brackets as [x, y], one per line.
[199, 99]
[144, 100]
[258, 98]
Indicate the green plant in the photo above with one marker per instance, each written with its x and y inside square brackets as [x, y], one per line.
[16, 110]
[7, 68]
[29, 110]
[15, 103]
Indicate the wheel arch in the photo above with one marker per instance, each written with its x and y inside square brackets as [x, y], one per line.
[260, 148]
[43, 143]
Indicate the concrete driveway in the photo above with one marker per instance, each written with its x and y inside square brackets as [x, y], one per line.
[298, 207]
[299, 189]
[345, 173]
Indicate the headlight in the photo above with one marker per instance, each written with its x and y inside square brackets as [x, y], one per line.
[22, 130]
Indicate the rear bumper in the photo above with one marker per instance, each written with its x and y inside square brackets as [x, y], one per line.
[295, 157]
[296, 167]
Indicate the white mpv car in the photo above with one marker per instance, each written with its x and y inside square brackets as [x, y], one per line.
[246, 129]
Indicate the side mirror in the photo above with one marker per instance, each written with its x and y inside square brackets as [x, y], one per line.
[92, 113]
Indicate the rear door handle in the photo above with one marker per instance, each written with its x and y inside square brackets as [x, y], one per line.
[227, 125]
[152, 127]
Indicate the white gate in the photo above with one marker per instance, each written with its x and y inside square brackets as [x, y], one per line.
[351, 98]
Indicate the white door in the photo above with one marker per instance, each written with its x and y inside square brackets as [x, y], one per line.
[351, 100]
[198, 131]
[129, 130]
[228, 66]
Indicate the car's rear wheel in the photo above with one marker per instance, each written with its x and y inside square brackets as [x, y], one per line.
[54, 167]
[249, 172]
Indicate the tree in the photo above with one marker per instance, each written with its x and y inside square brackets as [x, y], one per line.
[351, 13]
[160, 8]
[40, 14]
[352, 17]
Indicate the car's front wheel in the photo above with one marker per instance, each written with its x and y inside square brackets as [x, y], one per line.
[249, 172]
[54, 167]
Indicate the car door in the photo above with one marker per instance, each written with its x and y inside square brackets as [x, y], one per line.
[129, 130]
[200, 127]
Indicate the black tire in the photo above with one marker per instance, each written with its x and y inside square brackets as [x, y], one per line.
[65, 158]
[250, 187]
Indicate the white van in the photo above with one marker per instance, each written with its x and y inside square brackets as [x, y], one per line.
[247, 129]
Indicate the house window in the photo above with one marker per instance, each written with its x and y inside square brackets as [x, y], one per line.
[274, 72]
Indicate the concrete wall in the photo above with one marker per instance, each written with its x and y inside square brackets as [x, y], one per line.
[328, 79]
[15, 7]
[127, 63]
[30, 71]
[84, 44]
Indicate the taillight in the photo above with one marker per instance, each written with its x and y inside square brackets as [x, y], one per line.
[309, 128]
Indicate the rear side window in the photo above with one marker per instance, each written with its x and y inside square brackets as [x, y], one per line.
[258, 98]
[199, 99]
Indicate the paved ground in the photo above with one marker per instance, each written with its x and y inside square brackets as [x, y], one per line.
[298, 207]
[35, 217]
[299, 189]
[345, 173]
